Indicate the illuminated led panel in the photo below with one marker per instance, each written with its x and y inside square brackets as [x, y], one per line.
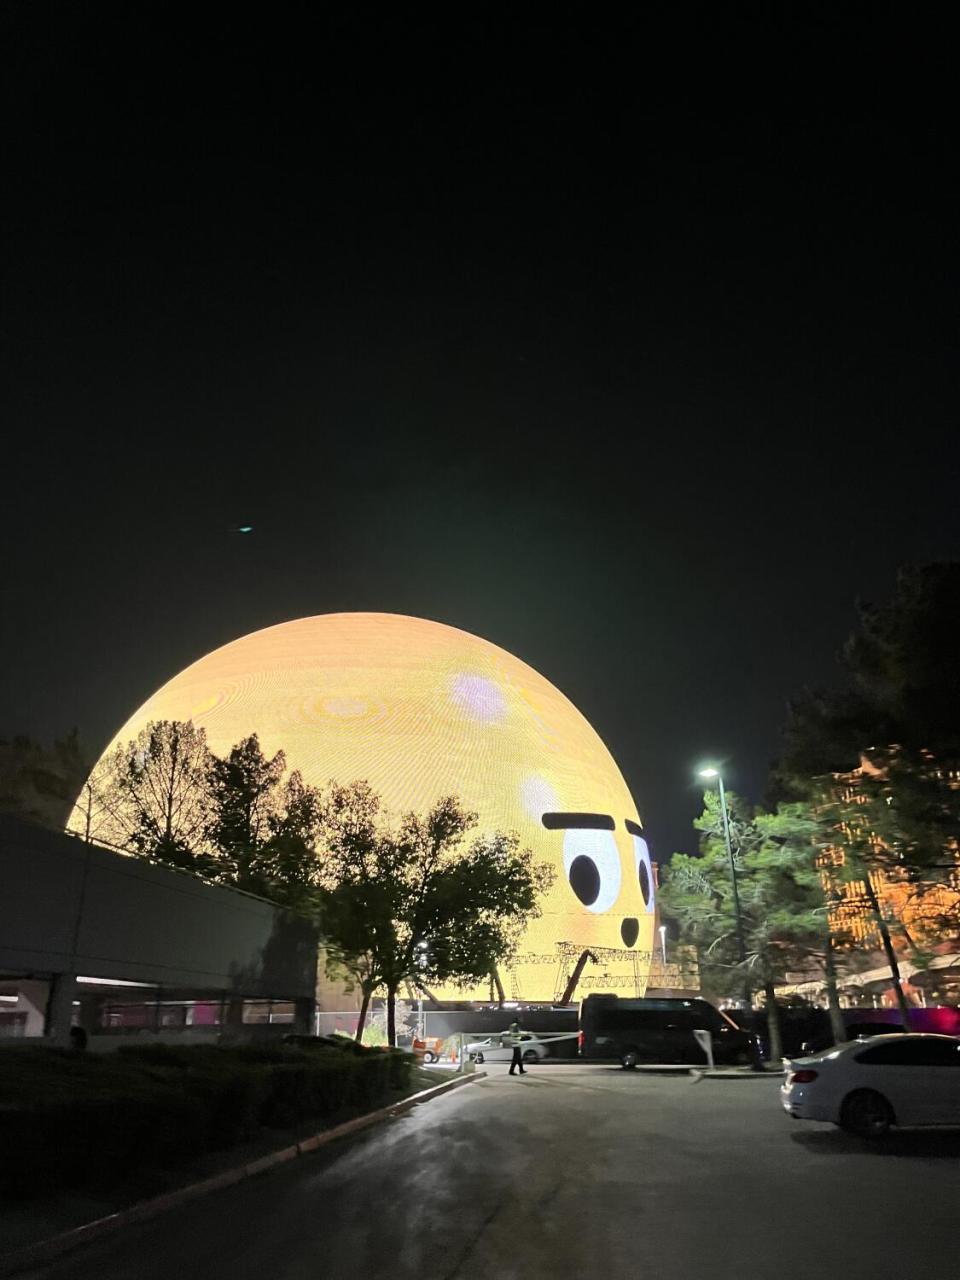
[422, 710]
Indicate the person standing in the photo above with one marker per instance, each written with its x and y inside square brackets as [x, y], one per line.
[515, 1038]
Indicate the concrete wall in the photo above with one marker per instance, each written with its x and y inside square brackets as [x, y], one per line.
[71, 908]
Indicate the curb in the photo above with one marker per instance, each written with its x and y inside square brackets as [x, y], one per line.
[43, 1251]
[707, 1074]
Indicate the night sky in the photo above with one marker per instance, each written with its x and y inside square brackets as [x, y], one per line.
[626, 342]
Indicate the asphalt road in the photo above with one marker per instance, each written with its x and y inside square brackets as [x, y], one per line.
[570, 1171]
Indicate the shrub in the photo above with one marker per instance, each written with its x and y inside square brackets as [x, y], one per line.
[91, 1120]
[309, 1091]
[401, 1064]
[340, 1043]
[97, 1140]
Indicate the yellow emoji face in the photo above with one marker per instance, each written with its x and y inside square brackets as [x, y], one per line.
[421, 710]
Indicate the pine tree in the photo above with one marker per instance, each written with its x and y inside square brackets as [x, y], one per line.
[782, 904]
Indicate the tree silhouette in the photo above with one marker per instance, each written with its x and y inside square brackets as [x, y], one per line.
[155, 796]
[414, 901]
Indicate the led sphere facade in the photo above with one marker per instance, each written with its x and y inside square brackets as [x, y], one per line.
[422, 710]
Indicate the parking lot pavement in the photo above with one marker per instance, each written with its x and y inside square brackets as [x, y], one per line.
[579, 1171]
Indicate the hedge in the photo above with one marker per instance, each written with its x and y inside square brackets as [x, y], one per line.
[92, 1121]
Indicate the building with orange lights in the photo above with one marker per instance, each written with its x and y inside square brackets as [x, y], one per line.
[915, 911]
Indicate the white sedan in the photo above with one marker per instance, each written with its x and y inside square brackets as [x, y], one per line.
[869, 1085]
[499, 1049]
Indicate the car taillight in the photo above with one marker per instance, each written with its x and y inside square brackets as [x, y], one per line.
[802, 1077]
[579, 1040]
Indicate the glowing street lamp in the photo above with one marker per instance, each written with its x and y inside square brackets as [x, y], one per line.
[663, 943]
[709, 773]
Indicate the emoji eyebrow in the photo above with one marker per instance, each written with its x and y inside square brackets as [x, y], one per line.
[633, 827]
[578, 821]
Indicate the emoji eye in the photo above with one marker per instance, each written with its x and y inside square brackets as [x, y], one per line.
[592, 864]
[644, 870]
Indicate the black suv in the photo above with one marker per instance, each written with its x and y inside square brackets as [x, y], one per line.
[660, 1030]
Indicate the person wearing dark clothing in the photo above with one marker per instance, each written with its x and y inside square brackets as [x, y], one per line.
[515, 1038]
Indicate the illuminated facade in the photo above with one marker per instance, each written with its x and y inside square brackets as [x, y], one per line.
[919, 907]
[422, 710]
[914, 910]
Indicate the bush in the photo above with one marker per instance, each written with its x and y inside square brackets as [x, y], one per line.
[310, 1091]
[91, 1120]
[401, 1064]
[341, 1043]
[96, 1140]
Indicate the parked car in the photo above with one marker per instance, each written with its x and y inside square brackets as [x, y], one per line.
[868, 1085]
[499, 1049]
[659, 1030]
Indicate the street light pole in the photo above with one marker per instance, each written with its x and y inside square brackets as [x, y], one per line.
[733, 870]
[741, 944]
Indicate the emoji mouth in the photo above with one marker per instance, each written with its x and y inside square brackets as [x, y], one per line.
[629, 929]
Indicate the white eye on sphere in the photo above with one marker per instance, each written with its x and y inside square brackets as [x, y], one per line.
[644, 871]
[592, 865]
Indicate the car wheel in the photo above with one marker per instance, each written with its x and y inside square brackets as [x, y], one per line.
[479, 1059]
[531, 1055]
[629, 1059]
[743, 1059]
[429, 1057]
[866, 1113]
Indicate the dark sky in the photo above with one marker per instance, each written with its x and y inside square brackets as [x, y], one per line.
[626, 342]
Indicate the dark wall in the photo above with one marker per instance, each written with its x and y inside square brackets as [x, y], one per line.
[68, 907]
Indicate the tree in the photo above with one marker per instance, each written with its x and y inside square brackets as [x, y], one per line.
[91, 812]
[359, 896]
[783, 897]
[877, 756]
[263, 829]
[698, 891]
[290, 856]
[40, 783]
[783, 912]
[899, 683]
[233, 820]
[903, 667]
[243, 800]
[414, 902]
[354, 917]
[155, 796]
[912, 805]
[891, 826]
[468, 904]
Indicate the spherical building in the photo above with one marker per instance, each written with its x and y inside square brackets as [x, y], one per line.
[422, 710]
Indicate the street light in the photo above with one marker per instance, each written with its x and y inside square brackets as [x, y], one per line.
[663, 943]
[711, 773]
